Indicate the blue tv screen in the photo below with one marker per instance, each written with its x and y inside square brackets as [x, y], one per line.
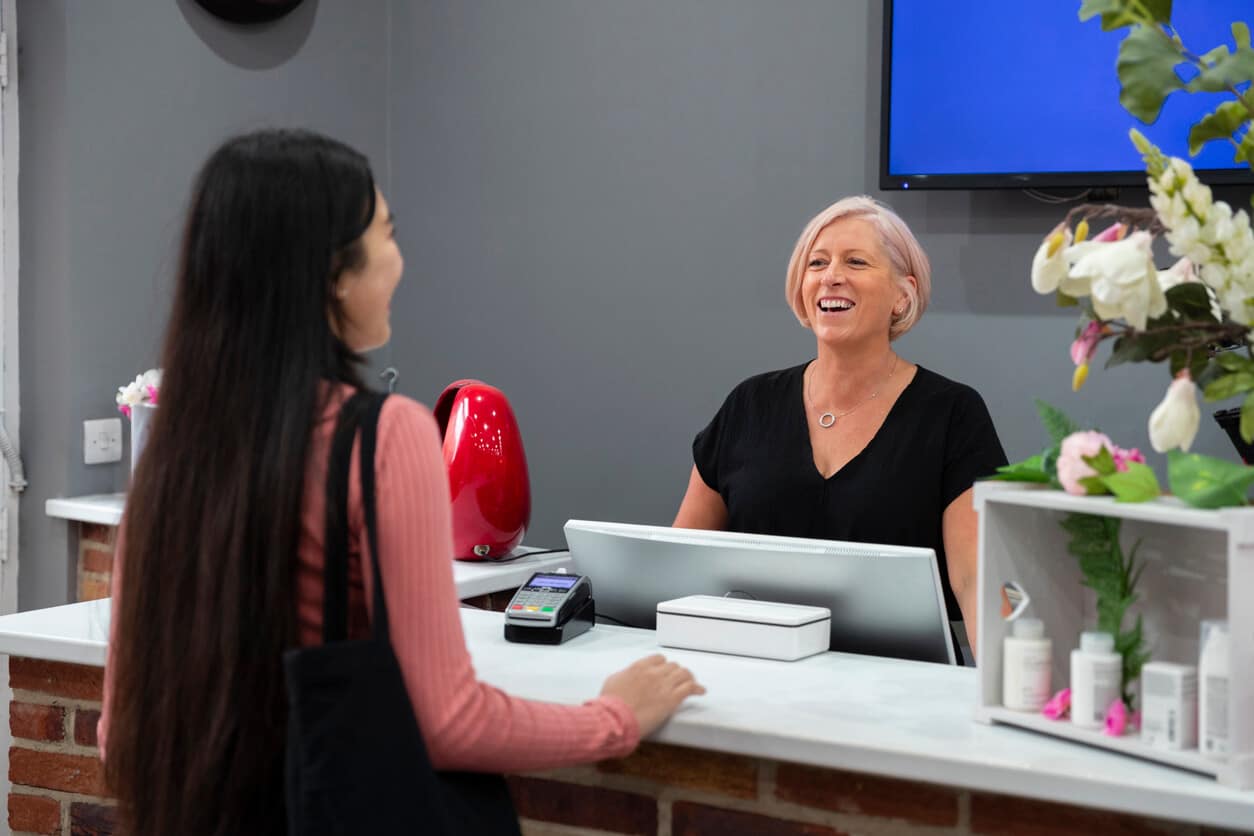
[990, 94]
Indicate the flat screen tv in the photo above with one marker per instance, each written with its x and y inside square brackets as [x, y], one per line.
[990, 94]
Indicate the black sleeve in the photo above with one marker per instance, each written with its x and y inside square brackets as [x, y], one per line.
[708, 445]
[972, 449]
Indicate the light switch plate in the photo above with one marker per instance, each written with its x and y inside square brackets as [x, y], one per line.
[102, 441]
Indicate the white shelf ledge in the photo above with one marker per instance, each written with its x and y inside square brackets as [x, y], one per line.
[1129, 744]
[101, 508]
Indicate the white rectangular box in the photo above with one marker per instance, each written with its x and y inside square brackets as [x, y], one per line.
[1169, 705]
[763, 629]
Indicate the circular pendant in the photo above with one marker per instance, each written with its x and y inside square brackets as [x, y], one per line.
[826, 420]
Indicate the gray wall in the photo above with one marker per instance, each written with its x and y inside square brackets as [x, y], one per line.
[598, 200]
[120, 102]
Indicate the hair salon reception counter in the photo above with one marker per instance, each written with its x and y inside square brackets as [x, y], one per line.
[830, 744]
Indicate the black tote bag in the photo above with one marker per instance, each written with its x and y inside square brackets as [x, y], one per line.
[356, 761]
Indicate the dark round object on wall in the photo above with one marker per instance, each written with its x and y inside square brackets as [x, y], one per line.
[248, 11]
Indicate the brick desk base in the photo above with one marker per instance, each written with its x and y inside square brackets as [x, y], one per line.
[58, 781]
[676, 791]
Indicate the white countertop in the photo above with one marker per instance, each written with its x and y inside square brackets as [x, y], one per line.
[908, 720]
[472, 577]
[101, 508]
[476, 577]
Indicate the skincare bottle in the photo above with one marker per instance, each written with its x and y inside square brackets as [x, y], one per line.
[1096, 679]
[1026, 663]
[1212, 699]
[1169, 705]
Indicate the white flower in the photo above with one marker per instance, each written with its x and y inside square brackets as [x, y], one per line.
[1182, 272]
[138, 390]
[1196, 195]
[1121, 277]
[1049, 267]
[130, 394]
[1173, 423]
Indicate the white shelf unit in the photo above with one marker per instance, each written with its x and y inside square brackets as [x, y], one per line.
[1198, 565]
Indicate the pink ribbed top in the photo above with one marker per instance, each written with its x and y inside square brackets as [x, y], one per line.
[466, 723]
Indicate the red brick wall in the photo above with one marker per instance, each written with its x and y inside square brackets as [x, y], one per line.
[684, 792]
[95, 560]
[58, 783]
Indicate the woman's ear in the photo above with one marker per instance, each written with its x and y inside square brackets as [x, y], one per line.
[906, 296]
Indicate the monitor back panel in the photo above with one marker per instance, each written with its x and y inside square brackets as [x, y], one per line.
[885, 604]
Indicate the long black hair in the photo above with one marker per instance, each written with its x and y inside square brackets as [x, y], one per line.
[207, 600]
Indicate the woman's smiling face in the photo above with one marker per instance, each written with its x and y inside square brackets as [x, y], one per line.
[849, 290]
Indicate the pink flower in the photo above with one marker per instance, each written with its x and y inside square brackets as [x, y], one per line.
[1114, 232]
[1116, 718]
[1124, 457]
[1071, 465]
[152, 394]
[1059, 705]
[1085, 345]
[125, 410]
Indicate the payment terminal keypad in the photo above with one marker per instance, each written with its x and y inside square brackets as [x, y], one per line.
[541, 599]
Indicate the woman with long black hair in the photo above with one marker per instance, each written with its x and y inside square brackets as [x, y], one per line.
[286, 273]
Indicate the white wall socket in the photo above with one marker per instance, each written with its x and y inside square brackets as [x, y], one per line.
[102, 441]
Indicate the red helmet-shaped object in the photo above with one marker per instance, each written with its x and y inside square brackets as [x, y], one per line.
[487, 470]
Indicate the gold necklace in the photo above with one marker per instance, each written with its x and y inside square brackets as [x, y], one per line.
[828, 419]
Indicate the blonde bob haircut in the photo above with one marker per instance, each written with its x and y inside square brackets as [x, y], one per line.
[903, 250]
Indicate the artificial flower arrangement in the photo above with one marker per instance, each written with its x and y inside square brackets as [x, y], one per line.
[1197, 313]
[144, 389]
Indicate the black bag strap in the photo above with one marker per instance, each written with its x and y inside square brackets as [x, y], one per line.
[361, 411]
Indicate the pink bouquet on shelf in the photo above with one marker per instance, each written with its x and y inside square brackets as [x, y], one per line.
[144, 389]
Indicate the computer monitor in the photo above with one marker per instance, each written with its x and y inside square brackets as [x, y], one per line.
[885, 600]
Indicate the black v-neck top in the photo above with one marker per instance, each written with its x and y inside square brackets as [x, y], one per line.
[937, 439]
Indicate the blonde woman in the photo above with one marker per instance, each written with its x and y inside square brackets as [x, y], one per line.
[859, 443]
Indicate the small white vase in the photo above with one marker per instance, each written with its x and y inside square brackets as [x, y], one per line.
[141, 419]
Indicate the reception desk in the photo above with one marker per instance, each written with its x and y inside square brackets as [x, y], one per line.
[834, 743]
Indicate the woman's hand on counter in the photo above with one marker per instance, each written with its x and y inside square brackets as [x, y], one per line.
[653, 688]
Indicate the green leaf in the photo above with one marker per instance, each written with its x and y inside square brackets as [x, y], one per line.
[1103, 462]
[1028, 470]
[1136, 484]
[1245, 151]
[1065, 301]
[1230, 361]
[1196, 361]
[1093, 485]
[1225, 70]
[1135, 348]
[1055, 422]
[1160, 10]
[1147, 72]
[1191, 300]
[1228, 385]
[1119, 13]
[1206, 482]
[1221, 123]
[1247, 419]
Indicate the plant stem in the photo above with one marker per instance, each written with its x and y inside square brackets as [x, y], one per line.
[1146, 218]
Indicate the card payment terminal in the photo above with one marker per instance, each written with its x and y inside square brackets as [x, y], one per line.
[550, 608]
